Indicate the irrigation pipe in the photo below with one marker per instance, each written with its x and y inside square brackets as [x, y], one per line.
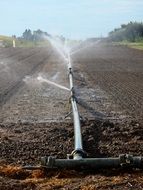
[76, 159]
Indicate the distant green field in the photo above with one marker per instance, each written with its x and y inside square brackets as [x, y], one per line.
[135, 45]
[8, 42]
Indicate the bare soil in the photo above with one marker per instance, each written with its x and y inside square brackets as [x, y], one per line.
[109, 89]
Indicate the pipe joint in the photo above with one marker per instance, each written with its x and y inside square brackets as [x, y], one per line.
[127, 160]
[48, 161]
[72, 97]
[79, 153]
[70, 71]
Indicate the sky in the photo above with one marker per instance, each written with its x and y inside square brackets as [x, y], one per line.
[75, 19]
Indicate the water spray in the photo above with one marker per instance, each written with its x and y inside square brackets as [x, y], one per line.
[85, 47]
[78, 158]
[41, 79]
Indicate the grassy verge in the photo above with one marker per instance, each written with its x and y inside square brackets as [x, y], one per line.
[25, 43]
[8, 42]
[135, 45]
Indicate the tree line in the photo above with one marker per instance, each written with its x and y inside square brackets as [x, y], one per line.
[37, 35]
[133, 31]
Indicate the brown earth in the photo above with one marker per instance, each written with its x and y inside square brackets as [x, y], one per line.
[109, 91]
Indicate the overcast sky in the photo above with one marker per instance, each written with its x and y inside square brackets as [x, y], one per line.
[72, 18]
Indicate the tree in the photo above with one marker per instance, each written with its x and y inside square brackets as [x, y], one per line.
[37, 35]
[131, 32]
[27, 35]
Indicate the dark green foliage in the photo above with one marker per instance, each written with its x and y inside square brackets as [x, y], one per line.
[37, 35]
[27, 35]
[132, 32]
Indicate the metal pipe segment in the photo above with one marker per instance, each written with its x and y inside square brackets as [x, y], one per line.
[123, 161]
[78, 148]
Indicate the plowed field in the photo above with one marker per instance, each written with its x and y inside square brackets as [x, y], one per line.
[109, 89]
